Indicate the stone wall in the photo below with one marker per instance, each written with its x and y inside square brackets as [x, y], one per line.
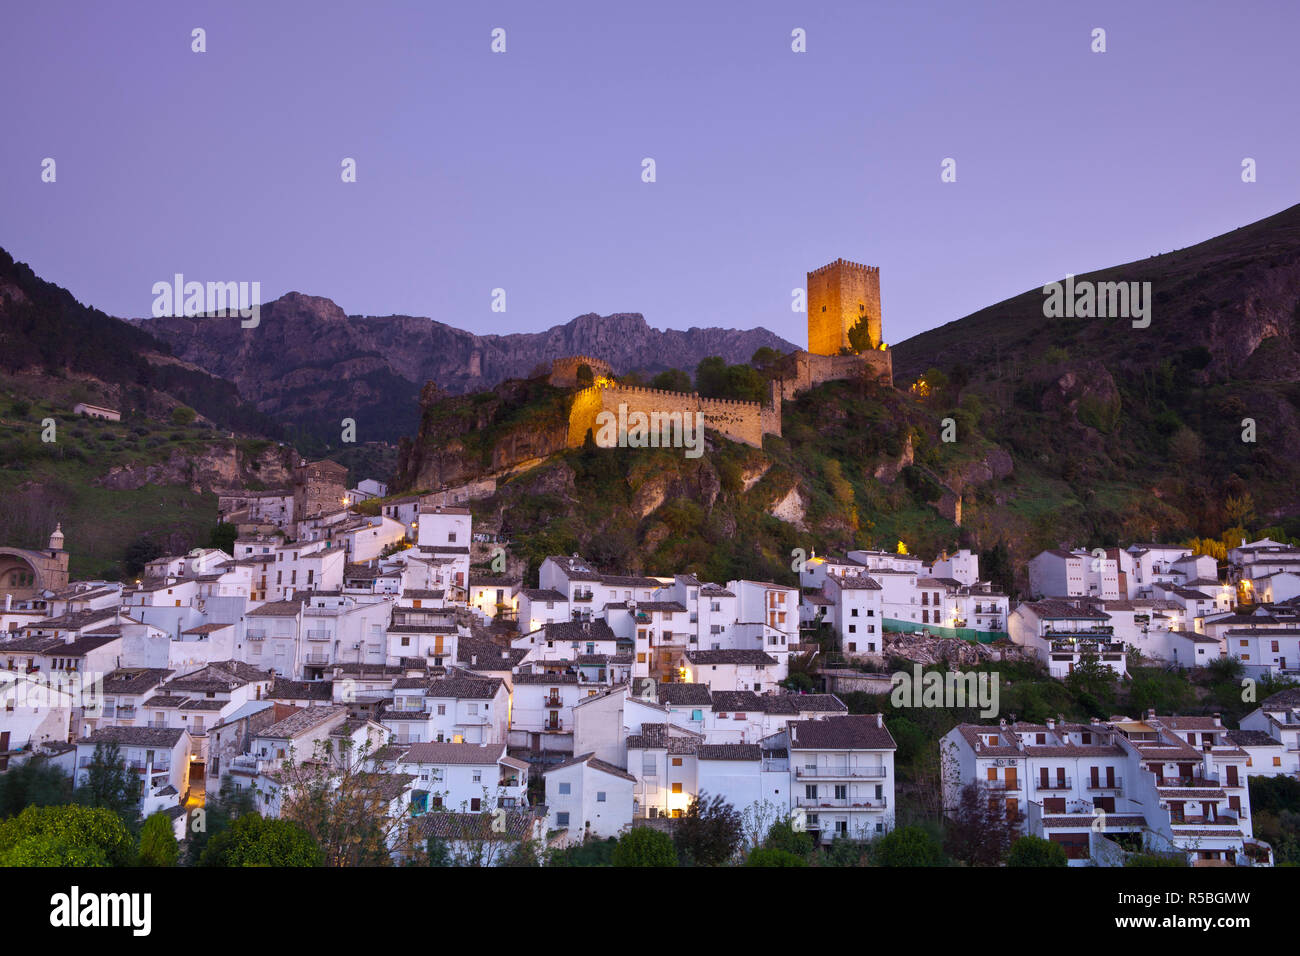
[801, 371]
[745, 422]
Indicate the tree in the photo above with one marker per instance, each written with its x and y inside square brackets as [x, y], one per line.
[1035, 851]
[222, 537]
[254, 840]
[672, 380]
[139, 553]
[860, 337]
[708, 833]
[771, 856]
[109, 784]
[35, 783]
[585, 376]
[783, 836]
[644, 846]
[348, 810]
[158, 846]
[218, 814]
[1094, 684]
[764, 358]
[70, 835]
[183, 415]
[979, 831]
[908, 846]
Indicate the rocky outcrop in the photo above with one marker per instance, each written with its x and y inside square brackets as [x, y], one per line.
[220, 465]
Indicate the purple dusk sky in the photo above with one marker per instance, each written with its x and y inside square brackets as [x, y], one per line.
[523, 171]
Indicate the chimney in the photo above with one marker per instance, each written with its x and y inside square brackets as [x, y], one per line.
[1218, 722]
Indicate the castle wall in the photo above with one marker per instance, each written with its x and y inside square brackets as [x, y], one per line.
[564, 371]
[840, 294]
[745, 422]
[804, 370]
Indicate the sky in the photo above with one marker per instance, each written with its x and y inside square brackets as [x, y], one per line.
[523, 171]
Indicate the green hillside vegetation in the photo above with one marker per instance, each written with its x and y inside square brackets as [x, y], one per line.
[110, 533]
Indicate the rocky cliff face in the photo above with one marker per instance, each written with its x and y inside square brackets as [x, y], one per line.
[222, 465]
[309, 363]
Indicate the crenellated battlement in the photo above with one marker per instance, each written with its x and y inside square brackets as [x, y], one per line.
[845, 264]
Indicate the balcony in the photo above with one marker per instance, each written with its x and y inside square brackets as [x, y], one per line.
[1057, 784]
[258, 635]
[840, 773]
[830, 803]
[1078, 633]
[553, 727]
[1115, 784]
[318, 635]
[553, 702]
[582, 597]
[1195, 781]
[1002, 784]
[318, 659]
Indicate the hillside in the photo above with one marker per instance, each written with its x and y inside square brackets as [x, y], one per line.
[310, 364]
[47, 338]
[1140, 432]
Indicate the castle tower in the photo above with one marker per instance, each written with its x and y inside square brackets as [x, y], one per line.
[840, 295]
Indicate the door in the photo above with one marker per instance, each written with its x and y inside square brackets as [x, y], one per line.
[1011, 778]
[4, 745]
[1110, 777]
[1096, 778]
[1232, 777]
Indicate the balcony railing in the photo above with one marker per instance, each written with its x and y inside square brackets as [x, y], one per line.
[553, 727]
[583, 596]
[1003, 784]
[830, 803]
[258, 635]
[866, 773]
[318, 635]
[1195, 780]
[1057, 784]
[553, 702]
[1116, 784]
[318, 658]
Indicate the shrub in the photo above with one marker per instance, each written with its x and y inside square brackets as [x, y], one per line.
[1035, 851]
[765, 856]
[643, 846]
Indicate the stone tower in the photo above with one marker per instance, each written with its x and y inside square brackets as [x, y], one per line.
[839, 296]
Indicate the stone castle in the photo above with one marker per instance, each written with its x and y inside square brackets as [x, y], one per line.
[840, 295]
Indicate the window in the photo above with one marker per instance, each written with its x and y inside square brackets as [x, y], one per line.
[562, 819]
[677, 788]
[841, 792]
[697, 715]
[853, 629]
[810, 791]
[677, 761]
[565, 789]
[600, 796]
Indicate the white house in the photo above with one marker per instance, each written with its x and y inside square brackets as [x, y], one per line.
[588, 797]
